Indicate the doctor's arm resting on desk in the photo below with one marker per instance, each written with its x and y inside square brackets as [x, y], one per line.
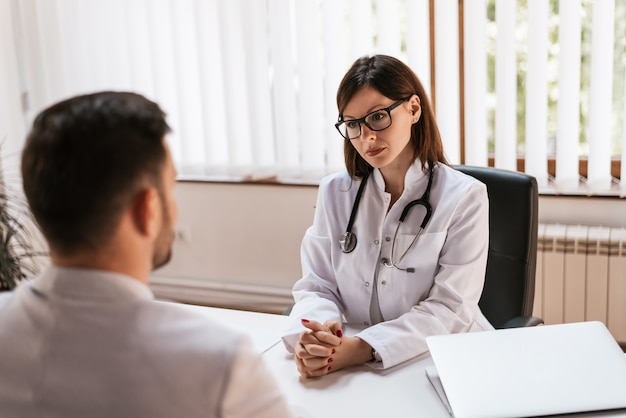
[399, 242]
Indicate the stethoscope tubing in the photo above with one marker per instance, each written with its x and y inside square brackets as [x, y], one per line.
[348, 240]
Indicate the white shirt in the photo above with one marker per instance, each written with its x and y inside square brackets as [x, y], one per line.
[449, 258]
[86, 343]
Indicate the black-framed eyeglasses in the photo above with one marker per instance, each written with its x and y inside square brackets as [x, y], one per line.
[376, 121]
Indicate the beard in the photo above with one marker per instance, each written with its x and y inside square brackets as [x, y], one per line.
[163, 248]
[162, 252]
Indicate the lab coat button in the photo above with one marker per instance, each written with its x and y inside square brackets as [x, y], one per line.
[366, 323]
[367, 284]
[376, 242]
[387, 239]
[384, 282]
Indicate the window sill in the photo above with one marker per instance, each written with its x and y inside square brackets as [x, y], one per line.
[547, 190]
[272, 181]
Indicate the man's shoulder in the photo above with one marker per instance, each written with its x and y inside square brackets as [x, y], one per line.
[6, 297]
[182, 337]
[185, 321]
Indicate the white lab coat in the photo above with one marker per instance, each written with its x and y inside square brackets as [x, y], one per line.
[449, 259]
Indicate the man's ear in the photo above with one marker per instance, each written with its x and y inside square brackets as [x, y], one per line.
[146, 212]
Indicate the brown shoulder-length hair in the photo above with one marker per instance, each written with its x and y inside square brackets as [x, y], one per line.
[395, 80]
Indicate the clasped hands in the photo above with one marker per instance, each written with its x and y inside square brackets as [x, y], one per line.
[322, 349]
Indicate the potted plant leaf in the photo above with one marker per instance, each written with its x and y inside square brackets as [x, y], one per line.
[19, 238]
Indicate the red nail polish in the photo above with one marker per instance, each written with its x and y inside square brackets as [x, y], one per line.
[328, 368]
[306, 321]
[333, 352]
[339, 334]
[330, 360]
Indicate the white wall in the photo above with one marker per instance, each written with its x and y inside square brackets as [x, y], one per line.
[238, 244]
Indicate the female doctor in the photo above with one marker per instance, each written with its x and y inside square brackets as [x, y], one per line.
[398, 245]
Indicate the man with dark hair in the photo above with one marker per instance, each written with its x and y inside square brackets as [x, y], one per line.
[87, 338]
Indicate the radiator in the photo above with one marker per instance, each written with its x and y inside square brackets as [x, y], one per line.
[581, 276]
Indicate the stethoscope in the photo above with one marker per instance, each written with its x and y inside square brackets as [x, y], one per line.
[347, 240]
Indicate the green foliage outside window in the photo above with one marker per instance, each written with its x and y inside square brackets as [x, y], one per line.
[619, 64]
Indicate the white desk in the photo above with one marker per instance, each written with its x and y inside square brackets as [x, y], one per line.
[263, 329]
[402, 391]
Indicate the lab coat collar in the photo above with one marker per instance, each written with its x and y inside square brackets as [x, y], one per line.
[411, 179]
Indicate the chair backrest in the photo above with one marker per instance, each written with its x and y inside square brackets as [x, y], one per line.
[510, 279]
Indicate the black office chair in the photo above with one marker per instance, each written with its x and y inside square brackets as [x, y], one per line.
[509, 292]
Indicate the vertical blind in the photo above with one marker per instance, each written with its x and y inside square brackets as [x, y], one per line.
[587, 119]
[249, 85]
[569, 97]
[536, 122]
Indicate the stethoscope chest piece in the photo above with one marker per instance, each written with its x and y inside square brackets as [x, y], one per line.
[347, 242]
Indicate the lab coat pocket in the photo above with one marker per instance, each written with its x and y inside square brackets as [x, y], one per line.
[422, 259]
[408, 287]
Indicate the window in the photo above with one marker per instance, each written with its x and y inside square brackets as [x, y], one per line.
[556, 84]
[249, 85]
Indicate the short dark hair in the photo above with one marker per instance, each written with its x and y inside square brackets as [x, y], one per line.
[85, 159]
[395, 80]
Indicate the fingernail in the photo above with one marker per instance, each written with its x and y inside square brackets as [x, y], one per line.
[333, 352]
[328, 368]
[339, 334]
[330, 360]
[306, 321]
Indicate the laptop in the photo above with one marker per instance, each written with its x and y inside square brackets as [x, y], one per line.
[527, 372]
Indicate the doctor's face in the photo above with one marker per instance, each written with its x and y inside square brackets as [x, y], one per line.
[391, 145]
